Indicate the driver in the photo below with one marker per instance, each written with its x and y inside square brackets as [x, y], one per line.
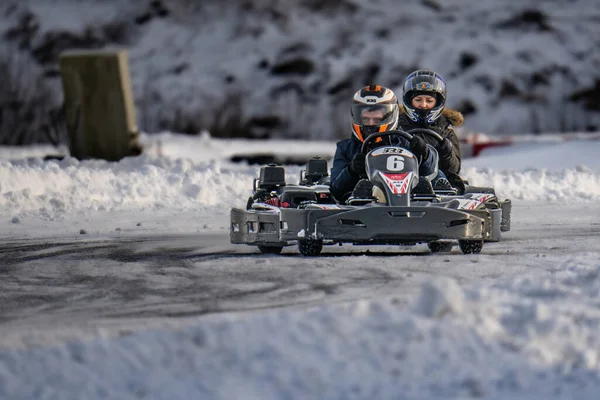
[424, 101]
[374, 109]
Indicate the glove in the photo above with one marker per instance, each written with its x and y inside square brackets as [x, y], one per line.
[419, 147]
[444, 147]
[357, 165]
[456, 182]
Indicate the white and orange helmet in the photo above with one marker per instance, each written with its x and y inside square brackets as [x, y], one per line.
[380, 104]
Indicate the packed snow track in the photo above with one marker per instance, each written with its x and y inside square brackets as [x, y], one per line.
[55, 287]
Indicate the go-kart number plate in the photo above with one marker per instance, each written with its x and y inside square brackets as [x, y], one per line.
[395, 163]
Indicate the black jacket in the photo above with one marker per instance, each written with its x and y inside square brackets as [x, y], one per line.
[342, 180]
[451, 162]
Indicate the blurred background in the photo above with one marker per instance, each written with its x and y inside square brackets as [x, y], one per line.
[286, 69]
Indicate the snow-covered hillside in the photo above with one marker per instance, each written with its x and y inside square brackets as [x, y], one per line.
[288, 69]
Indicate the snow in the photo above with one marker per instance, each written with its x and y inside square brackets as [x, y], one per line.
[524, 334]
[518, 321]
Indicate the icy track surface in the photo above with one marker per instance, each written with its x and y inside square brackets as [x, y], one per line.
[119, 282]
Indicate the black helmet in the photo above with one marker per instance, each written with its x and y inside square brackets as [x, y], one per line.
[424, 82]
[374, 109]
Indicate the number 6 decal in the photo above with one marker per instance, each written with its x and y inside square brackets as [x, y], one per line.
[395, 163]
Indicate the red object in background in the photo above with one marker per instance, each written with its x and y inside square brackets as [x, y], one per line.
[479, 147]
[473, 145]
[274, 201]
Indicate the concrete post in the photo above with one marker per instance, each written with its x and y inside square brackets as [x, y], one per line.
[99, 108]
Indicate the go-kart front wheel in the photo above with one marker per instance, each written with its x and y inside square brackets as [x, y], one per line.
[310, 247]
[270, 249]
[470, 246]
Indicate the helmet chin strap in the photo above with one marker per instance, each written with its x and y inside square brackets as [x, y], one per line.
[369, 130]
[422, 113]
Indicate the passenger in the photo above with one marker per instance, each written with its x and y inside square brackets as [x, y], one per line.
[424, 106]
[374, 109]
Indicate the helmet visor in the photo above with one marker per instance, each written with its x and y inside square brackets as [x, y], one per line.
[425, 84]
[374, 114]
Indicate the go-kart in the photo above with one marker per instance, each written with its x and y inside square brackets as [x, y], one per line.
[398, 207]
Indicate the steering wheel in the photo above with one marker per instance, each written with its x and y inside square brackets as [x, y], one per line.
[428, 132]
[408, 135]
[377, 135]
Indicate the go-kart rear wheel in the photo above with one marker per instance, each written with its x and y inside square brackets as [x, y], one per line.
[470, 246]
[310, 247]
[270, 249]
[440, 247]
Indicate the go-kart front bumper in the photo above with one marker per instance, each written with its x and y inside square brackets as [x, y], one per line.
[362, 224]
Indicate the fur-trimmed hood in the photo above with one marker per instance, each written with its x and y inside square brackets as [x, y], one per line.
[454, 117]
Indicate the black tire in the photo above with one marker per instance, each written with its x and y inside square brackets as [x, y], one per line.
[310, 247]
[440, 247]
[470, 246]
[270, 249]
